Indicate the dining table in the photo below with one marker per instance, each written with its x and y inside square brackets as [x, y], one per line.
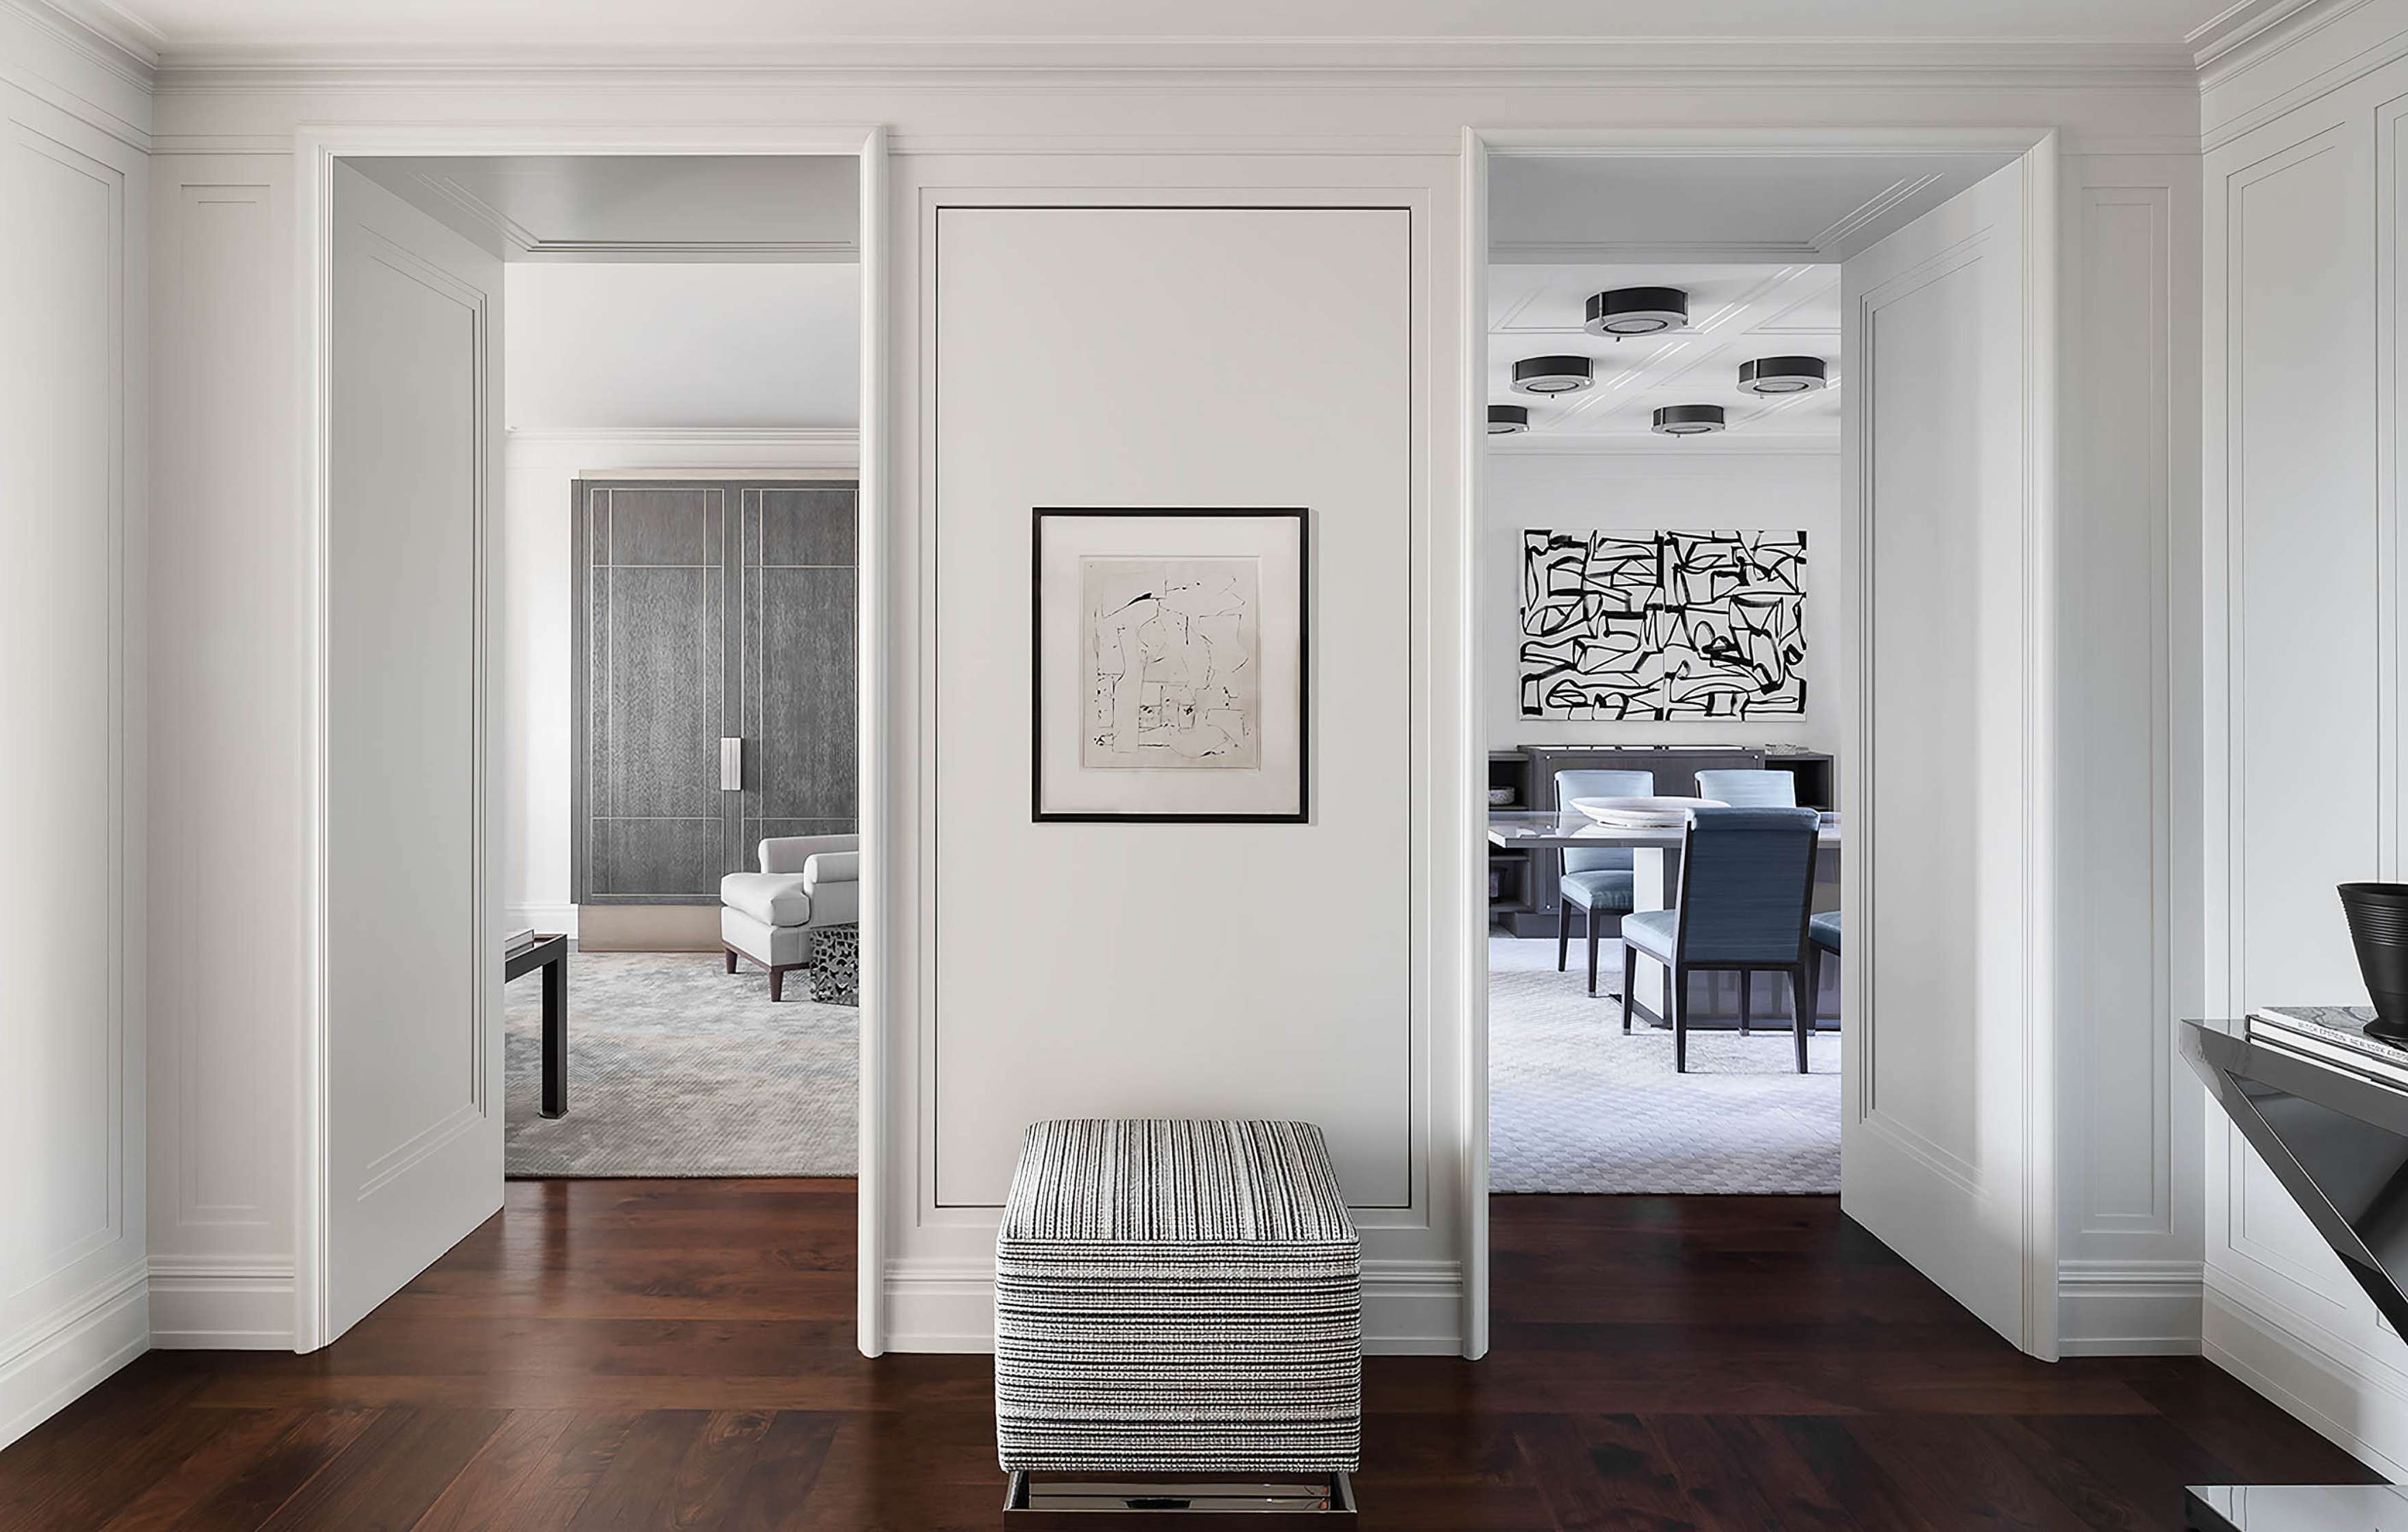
[1655, 879]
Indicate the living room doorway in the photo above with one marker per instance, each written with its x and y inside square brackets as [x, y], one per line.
[598, 547]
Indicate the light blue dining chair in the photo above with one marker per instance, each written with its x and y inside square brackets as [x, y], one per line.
[1747, 884]
[1823, 933]
[1597, 882]
[1759, 787]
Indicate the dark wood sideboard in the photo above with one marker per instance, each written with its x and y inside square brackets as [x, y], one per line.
[1522, 884]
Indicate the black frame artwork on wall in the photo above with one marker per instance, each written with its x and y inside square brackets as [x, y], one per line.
[1238, 754]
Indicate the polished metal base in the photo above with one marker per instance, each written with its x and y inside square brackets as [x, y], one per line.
[2295, 1508]
[1091, 1504]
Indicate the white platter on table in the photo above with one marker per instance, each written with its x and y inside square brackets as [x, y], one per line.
[1643, 813]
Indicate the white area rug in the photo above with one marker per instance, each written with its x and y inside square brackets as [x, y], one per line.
[677, 1068]
[1575, 1106]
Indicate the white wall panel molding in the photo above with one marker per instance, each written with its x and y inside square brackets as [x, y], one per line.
[226, 825]
[74, 497]
[2326, 1381]
[52, 1360]
[2307, 53]
[1406, 573]
[2110, 1308]
[2130, 1121]
[228, 1304]
[2305, 275]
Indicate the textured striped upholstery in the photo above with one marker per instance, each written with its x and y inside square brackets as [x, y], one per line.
[1175, 1296]
[1751, 788]
[1600, 784]
[1744, 884]
[1823, 930]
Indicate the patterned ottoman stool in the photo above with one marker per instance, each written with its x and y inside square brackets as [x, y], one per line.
[1179, 1297]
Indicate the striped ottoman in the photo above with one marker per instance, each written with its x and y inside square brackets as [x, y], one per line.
[1176, 1297]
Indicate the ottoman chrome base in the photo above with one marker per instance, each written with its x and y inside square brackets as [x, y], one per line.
[1094, 1505]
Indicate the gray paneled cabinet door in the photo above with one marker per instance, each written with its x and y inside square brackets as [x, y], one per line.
[707, 609]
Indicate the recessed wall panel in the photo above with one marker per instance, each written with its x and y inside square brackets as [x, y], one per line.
[1128, 969]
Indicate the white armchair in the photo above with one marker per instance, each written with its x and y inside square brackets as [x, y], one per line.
[806, 883]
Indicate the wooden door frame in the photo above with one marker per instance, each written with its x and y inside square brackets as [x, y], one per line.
[2037, 150]
[316, 150]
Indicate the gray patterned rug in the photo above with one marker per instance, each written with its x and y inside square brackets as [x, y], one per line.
[1574, 1105]
[679, 1068]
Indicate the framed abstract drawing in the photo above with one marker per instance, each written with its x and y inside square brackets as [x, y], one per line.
[1169, 666]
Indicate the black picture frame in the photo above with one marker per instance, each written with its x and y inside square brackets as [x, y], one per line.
[1039, 516]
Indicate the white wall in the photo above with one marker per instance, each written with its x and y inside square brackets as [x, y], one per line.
[2126, 943]
[1253, 136]
[74, 520]
[626, 369]
[687, 344]
[1160, 969]
[1687, 486]
[229, 715]
[2305, 276]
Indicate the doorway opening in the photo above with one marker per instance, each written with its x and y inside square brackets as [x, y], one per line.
[594, 570]
[1716, 649]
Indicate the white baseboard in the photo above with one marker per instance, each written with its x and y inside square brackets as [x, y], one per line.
[2129, 1308]
[200, 1304]
[561, 918]
[1409, 1307]
[2360, 1409]
[53, 1361]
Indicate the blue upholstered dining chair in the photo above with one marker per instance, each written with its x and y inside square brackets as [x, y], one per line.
[1757, 788]
[1822, 935]
[1747, 883]
[1597, 882]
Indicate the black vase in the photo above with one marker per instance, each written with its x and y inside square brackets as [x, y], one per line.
[2379, 927]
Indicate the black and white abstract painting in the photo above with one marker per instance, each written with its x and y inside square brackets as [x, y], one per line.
[1173, 674]
[1656, 626]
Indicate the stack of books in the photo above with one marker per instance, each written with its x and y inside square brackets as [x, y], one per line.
[2333, 1035]
[515, 942]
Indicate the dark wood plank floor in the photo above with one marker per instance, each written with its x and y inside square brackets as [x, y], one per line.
[635, 1354]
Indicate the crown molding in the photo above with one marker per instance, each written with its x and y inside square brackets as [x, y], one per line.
[2238, 27]
[107, 37]
[1036, 63]
[2254, 31]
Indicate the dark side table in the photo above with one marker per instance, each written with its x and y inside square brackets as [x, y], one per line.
[551, 955]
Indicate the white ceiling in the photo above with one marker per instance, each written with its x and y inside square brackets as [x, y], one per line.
[623, 344]
[639, 207]
[1736, 313]
[1556, 209]
[184, 26]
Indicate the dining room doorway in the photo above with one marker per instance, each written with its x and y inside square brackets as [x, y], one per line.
[1713, 670]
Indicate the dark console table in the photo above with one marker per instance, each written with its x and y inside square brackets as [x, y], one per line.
[2326, 1109]
[551, 955]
